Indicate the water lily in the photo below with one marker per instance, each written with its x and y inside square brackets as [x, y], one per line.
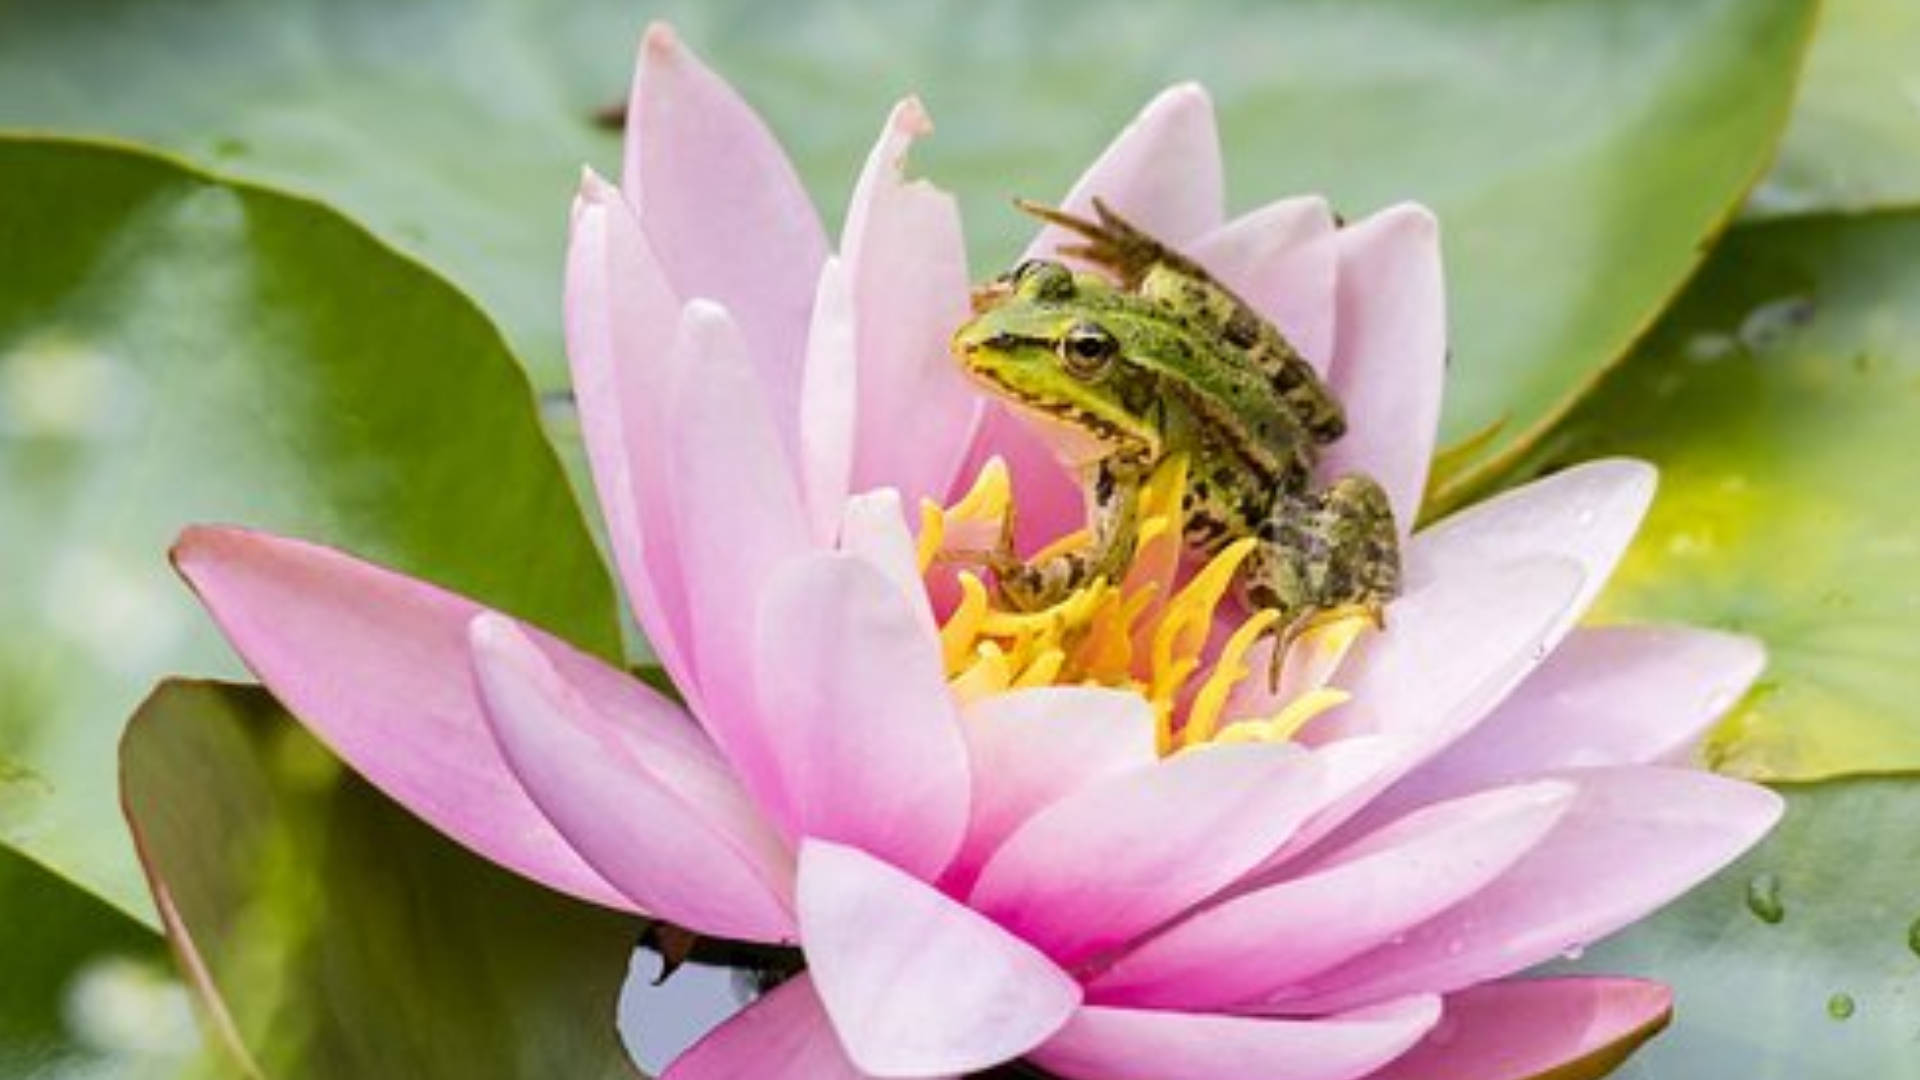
[1090, 839]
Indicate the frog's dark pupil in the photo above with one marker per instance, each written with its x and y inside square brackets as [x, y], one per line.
[1087, 348]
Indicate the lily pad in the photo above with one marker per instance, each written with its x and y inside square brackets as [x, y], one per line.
[175, 348]
[1854, 140]
[1580, 153]
[331, 934]
[87, 991]
[1780, 400]
[1800, 961]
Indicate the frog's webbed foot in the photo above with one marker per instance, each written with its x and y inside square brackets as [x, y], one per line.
[1325, 557]
[1111, 241]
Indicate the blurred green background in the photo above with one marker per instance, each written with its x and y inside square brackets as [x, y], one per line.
[297, 264]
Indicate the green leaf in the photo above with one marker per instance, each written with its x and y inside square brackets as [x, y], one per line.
[174, 348]
[1580, 153]
[1780, 400]
[1854, 140]
[339, 936]
[1767, 958]
[85, 991]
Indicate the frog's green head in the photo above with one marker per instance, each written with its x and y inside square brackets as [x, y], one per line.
[1047, 341]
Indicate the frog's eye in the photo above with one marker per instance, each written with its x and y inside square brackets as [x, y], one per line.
[1087, 349]
[1043, 279]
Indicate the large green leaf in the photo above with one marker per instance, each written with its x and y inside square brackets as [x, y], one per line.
[1800, 962]
[177, 349]
[1781, 399]
[339, 936]
[84, 992]
[1580, 152]
[1854, 140]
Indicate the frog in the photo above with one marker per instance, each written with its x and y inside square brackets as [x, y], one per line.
[1142, 356]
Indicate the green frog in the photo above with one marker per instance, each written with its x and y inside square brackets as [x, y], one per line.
[1161, 359]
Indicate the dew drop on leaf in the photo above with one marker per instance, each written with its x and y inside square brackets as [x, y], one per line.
[1840, 1006]
[1763, 898]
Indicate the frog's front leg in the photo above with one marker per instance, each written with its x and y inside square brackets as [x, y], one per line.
[1114, 527]
[1324, 555]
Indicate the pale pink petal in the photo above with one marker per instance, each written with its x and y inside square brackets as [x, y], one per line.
[873, 525]
[1284, 260]
[783, 1036]
[1390, 354]
[1587, 513]
[1123, 855]
[1029, 748]
[1635, 838]
[660, 818]
[1537, 1029]
[1162, 172]
[738, 515]
[916, 983]
[1048, 497]
[1143, 1044]
[1250, 946]
[724, 209]
[375, 664]
[1614, 695]
[621, 317]
[829, 393]
[860, 732]
[1453, 647]
[907, 262]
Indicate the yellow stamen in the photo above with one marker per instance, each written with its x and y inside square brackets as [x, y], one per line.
[1146, 631]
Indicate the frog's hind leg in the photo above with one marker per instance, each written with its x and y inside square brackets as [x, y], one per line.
[1112, 242]
[1324, 556]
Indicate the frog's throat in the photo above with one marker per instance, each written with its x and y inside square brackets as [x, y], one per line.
[1155, 631]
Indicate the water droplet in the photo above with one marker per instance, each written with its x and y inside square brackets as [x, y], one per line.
[1840, 1006]
[1769, 325]
[1573, 952]
[1763, 898]
[1913, 937]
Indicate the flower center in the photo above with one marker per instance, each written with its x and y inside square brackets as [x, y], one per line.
[1174, 638]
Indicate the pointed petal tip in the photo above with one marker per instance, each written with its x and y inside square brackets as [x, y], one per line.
[910, 118]
[660, 40]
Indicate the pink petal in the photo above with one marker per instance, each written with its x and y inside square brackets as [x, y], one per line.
[1587, 513]
[873, 525]
[860, 733]
[738, 515]
[1397, 878]
[661, 818]
[620, 315]
[1121, 856]
[1454, 646]
[1391, 353]
[1537, 1029]
[828, 401]
[907, 261]
[783, 1036]
[1142, 1044]
[1048, 497]
[1284, 260]
[1635, 838]
[1162, 172]
[1616, 695]
[1030, 748]
[375, 664]
[915, 983]
[724, 209]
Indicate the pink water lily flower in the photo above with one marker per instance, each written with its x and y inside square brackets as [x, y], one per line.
[1090, 841]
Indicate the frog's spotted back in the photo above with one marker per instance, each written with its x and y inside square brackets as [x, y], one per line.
[1159, 358]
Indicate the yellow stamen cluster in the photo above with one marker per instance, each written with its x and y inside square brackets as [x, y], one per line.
[1148, 631]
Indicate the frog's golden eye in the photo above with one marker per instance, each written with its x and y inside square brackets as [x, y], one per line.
[1087, 349]
[1043, 279]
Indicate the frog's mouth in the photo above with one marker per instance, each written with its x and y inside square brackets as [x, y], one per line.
[1079, 440]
